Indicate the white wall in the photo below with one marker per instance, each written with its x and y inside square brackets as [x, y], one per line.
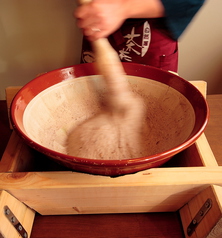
[36, 36]
[201, 47]
[41, 35]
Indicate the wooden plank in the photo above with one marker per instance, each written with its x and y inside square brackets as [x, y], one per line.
[109, 200]
[204, 149]
[213, 130]
[206, 155]
[153, 190]
[190, 157]
[201, 86]
[18, 156]
[186, 218]
[211, 219]
[198, 154]
[24, 214]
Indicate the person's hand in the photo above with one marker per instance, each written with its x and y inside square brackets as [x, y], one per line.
[100, 18]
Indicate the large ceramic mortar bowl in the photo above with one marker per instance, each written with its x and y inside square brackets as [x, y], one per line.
[45, 110]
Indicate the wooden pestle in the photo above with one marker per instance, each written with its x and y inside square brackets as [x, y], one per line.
[119, 125]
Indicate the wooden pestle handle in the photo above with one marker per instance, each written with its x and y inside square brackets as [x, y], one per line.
[108, 64]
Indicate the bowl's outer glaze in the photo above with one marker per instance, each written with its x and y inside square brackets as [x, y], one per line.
[110, 167]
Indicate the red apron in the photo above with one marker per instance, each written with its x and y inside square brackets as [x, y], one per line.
[141, 41]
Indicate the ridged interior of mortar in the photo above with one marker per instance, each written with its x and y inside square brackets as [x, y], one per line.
[50, 116]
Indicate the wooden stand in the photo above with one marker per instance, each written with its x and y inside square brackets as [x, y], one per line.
[184, 184]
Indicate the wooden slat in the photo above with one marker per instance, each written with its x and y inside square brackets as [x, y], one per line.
[186, 218]
[17, 156]
[24, 214]
[153, 190]
[207, 157]
[204, 149]
[213, 130]
[211, 220]
[201, 86]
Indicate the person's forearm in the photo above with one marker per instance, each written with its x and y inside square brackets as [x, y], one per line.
[144, 9]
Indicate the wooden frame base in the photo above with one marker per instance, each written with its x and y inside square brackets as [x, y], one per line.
[175, 186]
